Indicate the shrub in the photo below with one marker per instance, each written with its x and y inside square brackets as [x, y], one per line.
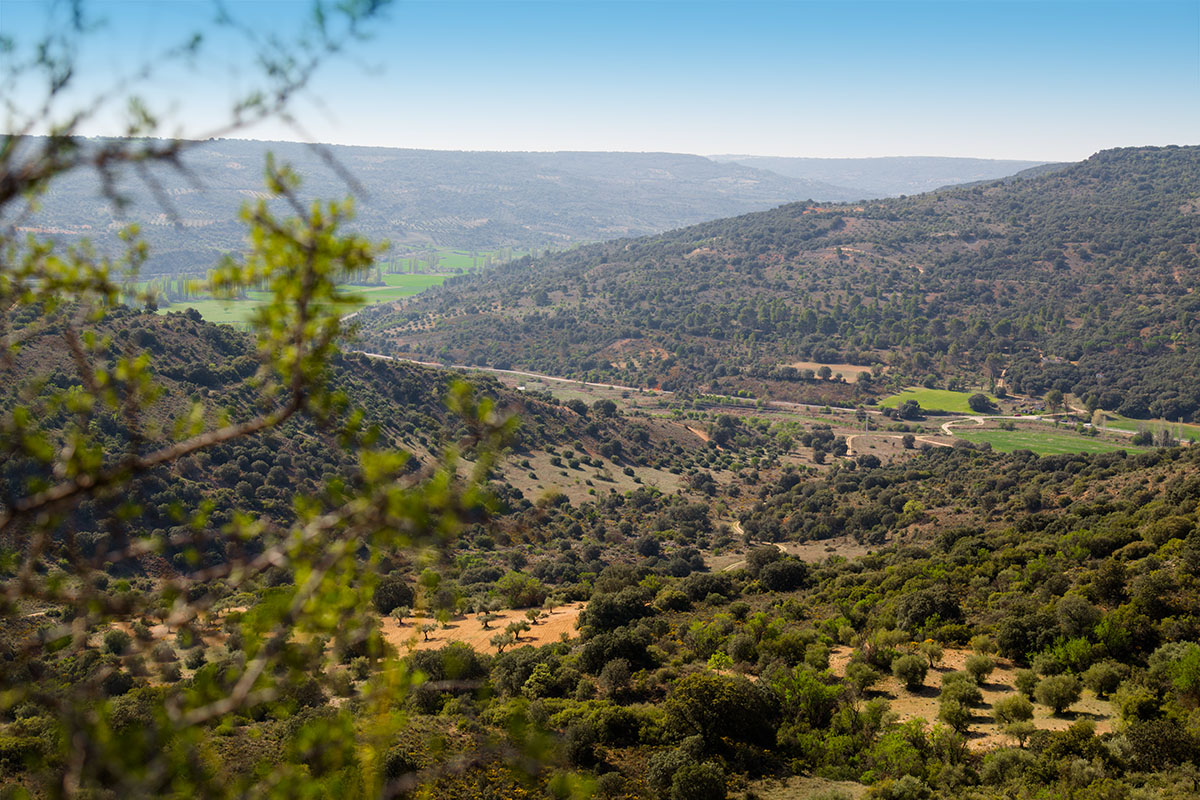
[956, 714]
[760, 557]
[699, 585]
[908, 787]
[580, 744]
[614, 678]
[1001, 766]
[784, 575]
[861, 676]
[1134, 701]
[661, 769]
[915, 609]
[18, 752]
[610, 785]
[1058, 692]
[704, 781]
[117, 641]
[392, 592]
[816, 655]
[185, 639]
[880, 650]
[1026, 681]
[979, 403]
[340, 683]
[1076, 616]
[648, 546]
[719, 709]
[360, 668]
[1020, 731]
[163, 652]
[911, 670]
[961, 687]
[611, 610]
[1013, 708]
[980, 666]
[521, 590]
[195, 658]
[1104, 677]
[982, 643]
[1184, 671]
[1159, 743]
[932, 651]
[671, 599]
[117, 682]
[742, 647]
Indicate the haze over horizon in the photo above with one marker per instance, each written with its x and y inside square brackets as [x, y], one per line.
[1052, 81]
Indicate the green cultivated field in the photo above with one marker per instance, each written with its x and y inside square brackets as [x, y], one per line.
[934, 400]
[1189, 432]
[449, 260]
[238, 311]
[404, 283]
[1044, 442]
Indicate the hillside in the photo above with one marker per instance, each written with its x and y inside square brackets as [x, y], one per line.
[473, 200]
[215, 365]
[469, 200]
[873, 178]
[676, 592]
[952, 620]
[663, 595]
[1031, 280]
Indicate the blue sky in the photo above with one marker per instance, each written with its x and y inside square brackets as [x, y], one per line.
[1009, 79]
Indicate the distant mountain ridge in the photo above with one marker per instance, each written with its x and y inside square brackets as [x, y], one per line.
[890, 176]
[474, 200]
[419, 198]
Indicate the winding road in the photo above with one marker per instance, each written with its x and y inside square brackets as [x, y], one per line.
[738, 402]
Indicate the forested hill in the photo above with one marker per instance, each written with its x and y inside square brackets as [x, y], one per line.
[475, 200]
[215, 366]
[1082, 279]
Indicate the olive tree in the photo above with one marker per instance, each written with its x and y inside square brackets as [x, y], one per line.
[1012, 708]
[910, 669]
[1058, 692]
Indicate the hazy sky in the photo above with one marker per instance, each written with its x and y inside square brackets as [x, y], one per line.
[1009, 79]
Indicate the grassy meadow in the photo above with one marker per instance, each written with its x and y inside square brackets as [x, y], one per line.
[934, 400]
[1043, 442]
[236, 312]
[1187, 432]
[405, 282]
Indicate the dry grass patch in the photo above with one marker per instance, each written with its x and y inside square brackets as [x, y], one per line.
[801, 788]
[984, 734]
[469, 630]
[849, 371]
